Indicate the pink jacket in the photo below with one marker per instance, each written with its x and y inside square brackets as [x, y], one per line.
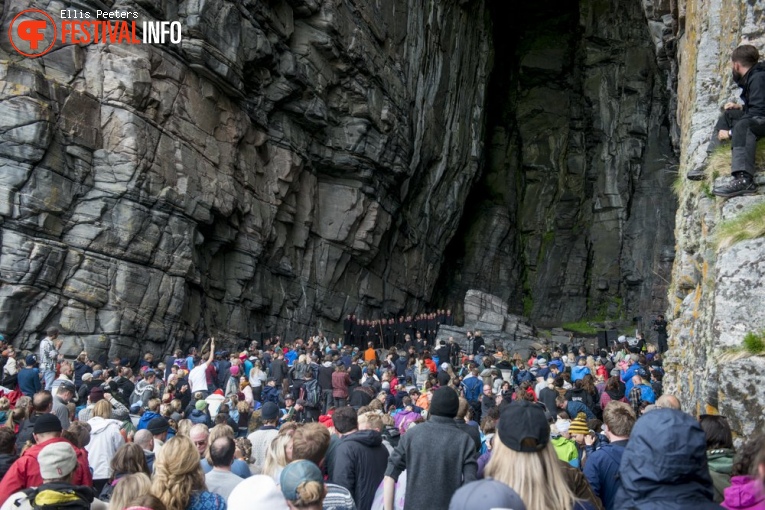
[744, 493]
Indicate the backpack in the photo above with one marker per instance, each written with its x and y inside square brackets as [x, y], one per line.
[59, 496]
[647, 394]
[473, 387]
[310, 393]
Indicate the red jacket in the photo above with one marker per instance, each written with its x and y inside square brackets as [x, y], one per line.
[25, 472]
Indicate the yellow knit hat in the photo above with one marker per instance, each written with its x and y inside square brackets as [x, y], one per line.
[579, 425]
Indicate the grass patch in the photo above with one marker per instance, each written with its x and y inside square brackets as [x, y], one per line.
[679, 185]
[707, 190]
[583, 327]
[718, 163]
[748, 225]
[754, 343]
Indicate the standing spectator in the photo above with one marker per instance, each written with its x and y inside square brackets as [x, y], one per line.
[7, 450]
[261, 438]
[49, 347]
[105, 440]
[10, 371]
[29, 377]
[81, 367]
[257, 379]
[720, 451]
[311, 442]
[179, 481]
[220, 479]
[129, 459]
[278, 369]
[57, 470]
[302, 485]
[665, 465]
[25, 472]
[198, 375]
[523, 458]
[66, 391]
[257, 491]
[341, 381]
[486, 495]
[660, 326]
[435, 454]
[130, 487]
[325, 383]
[747, 490]
[360, 459]
[602, 468]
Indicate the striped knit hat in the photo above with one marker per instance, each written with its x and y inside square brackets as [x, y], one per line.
[579, 425]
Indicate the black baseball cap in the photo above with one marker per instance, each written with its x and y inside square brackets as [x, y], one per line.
[523, 427]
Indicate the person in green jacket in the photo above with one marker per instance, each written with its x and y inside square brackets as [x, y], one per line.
[565, 448]
[720, 451]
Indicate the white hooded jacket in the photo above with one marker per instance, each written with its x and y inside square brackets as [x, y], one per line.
[105, 440]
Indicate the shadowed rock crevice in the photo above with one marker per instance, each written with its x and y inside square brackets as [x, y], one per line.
[573, 215]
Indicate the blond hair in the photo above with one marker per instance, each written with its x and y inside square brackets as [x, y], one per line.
[309, 493]
[103, 409]
[128, 488]
[276, 456]
[536, 477]
[370, 420]
[177, 473]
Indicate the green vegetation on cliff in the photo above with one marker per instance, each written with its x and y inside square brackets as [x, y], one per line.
[748, 225]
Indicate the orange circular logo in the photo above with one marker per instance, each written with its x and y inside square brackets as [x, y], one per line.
[29, 33]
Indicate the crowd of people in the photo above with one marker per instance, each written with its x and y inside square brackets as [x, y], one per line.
[313, 424]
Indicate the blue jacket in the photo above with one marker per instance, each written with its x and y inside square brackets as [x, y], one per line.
[627, 377]
[664, 466]
[578, 372]
[146, 417]
[602, 471]
[29, 381]
[573, 408]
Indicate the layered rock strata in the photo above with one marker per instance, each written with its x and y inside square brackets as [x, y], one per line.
[289, 162]
[718, 279]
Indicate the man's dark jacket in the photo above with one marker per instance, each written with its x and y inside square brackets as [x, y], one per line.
[753, 91]
[359, 466]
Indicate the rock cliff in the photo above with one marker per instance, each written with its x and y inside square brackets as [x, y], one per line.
[718, 278]
[289, 162]
[573, 216]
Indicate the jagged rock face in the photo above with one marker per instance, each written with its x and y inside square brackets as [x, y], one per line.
[289, 162]
[574, 215]
[717, 289]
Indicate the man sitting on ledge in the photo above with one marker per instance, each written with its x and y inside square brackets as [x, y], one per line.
[743, 125]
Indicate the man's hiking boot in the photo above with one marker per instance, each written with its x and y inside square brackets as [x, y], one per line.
[742, 184]
[697, 173]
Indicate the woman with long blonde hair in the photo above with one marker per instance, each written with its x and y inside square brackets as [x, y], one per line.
[128, 488]
[278, 456]
[524, 459]
[179, 481]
